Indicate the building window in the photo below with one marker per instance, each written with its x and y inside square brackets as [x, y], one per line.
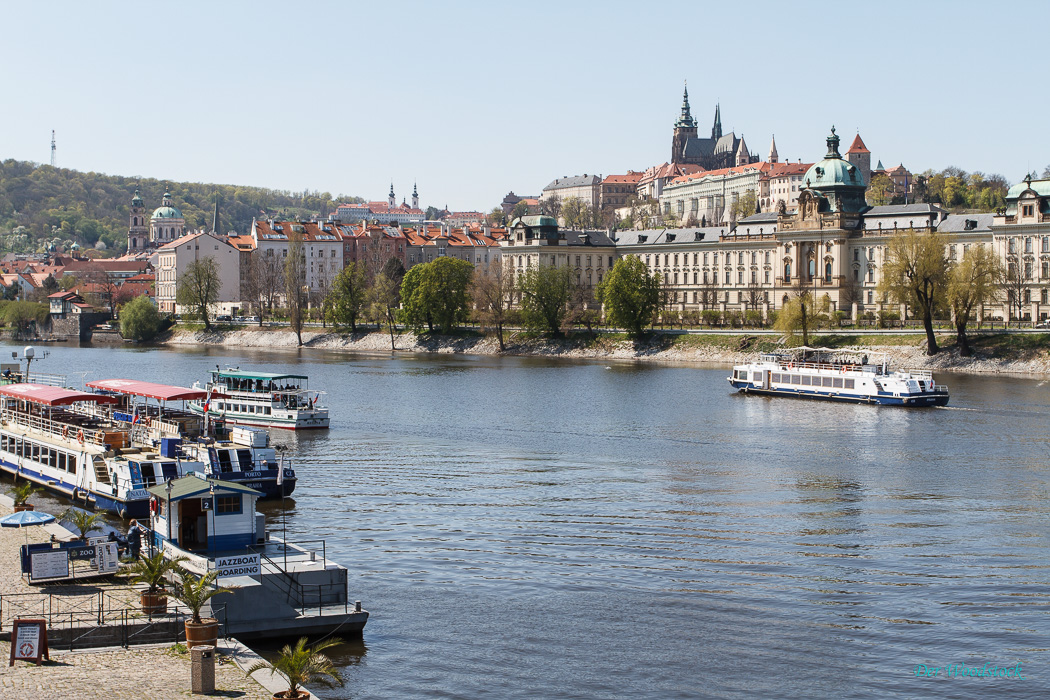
[871, 274]
[1027, 210]
[787, 271]
[1013, 246]
[739, 276]
[827, 271]
[871, 296]
[227, 505]
[951, 252]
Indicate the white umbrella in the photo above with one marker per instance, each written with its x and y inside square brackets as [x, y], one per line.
[26, 518]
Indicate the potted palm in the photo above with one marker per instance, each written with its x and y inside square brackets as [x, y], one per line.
[193, 592]
[301, 665]
[153, 571]
[83, 522]
[22, 493]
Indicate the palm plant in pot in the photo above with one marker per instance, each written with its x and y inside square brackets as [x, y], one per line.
[82, 521]
[153, 571]
[193, 592]
[22, 493]
[302, 664]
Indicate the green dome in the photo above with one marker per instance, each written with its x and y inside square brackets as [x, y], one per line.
[833, 170]
[167, 213]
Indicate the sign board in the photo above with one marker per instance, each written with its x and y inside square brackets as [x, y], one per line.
[29, 641]
[205, 504]
[92, 541]
[53, 564]
[107, 561]
[238, 565]
[82, 552]
[192, 563]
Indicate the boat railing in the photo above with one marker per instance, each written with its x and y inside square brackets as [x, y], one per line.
[48, 379]
[837, 367]
[66, 430]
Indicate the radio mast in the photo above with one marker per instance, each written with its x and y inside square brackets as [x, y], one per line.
[52, 148]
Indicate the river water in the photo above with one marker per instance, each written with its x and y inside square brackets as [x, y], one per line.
[536, 528]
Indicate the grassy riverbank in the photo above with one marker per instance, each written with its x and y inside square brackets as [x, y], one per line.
[993, 352]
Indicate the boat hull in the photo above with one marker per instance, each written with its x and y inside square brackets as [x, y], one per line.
[133, 508]
[912, 401]
[300, 423]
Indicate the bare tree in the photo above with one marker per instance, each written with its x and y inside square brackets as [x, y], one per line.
[1015, 283]
[551, 206]
[492, 291]
[295, 282]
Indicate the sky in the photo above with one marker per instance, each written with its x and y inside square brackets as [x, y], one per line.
[472, 100]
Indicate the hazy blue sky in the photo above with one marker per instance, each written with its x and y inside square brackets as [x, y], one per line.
[473, 99]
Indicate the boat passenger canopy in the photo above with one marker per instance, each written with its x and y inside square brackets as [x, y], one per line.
[236, 380]
[51, 396]
[43, 408]
[174, 421]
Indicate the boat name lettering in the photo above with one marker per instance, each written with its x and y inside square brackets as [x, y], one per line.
[137, 495]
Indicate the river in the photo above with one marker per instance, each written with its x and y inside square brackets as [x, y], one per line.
[535, 528]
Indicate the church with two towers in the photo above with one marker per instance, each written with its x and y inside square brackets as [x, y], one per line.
[719, 151]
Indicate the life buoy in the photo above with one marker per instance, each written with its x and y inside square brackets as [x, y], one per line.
[147, 421]
[80, 436]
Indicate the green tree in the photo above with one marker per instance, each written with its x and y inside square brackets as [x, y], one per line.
[349, 294]
[25, 317]
[631, 295]
[496, 216]
[973, 281]
[437, 293]
[574, 213]
[139, 319]
[880, 190]
[799, 314]
[745, 205]
[915, 272]
[545, 291]
[83, 522]
[198, 287]
[520, 209]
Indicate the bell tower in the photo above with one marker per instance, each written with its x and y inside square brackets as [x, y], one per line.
[138, 229]
[391, 199]
[415, 197]
[684, 129]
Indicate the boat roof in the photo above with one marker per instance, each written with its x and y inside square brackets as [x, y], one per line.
[190, 486]
[238, 374]
[150, 390]
[52, 395]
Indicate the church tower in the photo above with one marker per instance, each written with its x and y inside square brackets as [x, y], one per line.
[167, 223]
[415, 197]
[391, 199]
[684, 129]
[859, 155]
[716, 130]
[138, 230]
[773, 156]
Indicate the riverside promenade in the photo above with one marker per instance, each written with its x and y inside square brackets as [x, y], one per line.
[113, 673]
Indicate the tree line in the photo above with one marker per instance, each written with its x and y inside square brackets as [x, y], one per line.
[42, 206]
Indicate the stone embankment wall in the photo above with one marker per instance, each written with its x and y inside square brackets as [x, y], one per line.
[658, 349]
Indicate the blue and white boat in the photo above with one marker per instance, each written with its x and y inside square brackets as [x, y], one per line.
[836, 375]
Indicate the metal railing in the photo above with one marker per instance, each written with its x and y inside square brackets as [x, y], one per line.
[83, 618]
[49, 426]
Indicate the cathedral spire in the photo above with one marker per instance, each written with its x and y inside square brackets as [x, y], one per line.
[773, 157]
[686, 118]
[716, 130]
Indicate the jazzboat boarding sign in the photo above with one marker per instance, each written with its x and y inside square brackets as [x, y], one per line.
[238, 565]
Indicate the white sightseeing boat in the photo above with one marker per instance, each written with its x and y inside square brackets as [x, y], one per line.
[246, 457]
[262, 399]
[836, 375]
[45, 438]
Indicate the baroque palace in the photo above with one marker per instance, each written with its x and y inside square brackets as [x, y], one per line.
[833, 244]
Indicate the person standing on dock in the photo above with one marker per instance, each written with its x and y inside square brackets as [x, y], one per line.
[135, 538]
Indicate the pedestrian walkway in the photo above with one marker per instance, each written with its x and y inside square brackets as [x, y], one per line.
[157, 673]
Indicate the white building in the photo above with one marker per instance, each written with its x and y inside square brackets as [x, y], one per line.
[322, 247]
[175, 257]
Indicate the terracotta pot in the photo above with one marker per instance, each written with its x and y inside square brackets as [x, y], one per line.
[24, 506]
[285, 695]
[203, 633]
[154, 603]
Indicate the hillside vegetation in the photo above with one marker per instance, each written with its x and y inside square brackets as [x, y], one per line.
[40, 205]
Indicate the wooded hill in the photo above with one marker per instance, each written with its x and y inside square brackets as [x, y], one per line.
[41, 205]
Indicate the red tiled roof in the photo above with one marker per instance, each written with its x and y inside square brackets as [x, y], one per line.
[762, 167]
[858, 146]
[631, 178]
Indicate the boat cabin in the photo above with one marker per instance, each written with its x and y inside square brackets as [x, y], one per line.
[198, 514]
[158, 409]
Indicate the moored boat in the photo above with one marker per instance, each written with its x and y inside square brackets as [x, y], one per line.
[264, 399]
[146, 409]
[837, 375]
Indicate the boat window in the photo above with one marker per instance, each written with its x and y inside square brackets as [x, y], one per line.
[244, 459]
[849, 383]
[267, 410]
[838, 383]
[62, 461]
[36, 452]
[828, 381]
[149, 476]
[71, 464]
[774, 377]
[224, 461]
[806, 380]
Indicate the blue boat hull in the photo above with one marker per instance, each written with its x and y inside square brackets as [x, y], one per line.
[138, 508]
[884, 399]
